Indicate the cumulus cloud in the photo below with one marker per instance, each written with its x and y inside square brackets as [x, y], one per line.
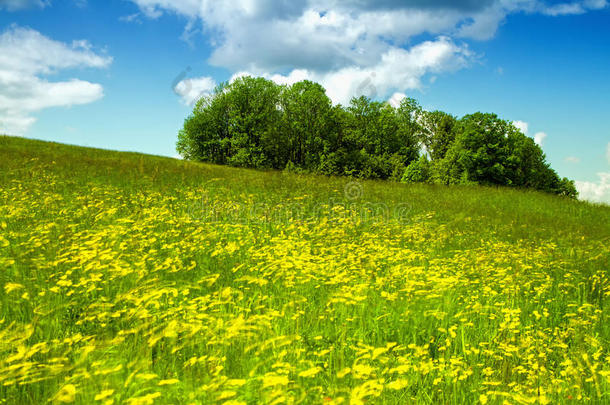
[344, 42]
[14, 5]
[595, 192]
[27, 58]
[577, 7]
[397, 69]
[351, 47]
[131, 18]
[191, 90]
[396, 99]
[539, 138]
[522, 126]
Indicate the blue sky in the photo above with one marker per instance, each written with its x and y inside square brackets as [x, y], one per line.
[122, 74]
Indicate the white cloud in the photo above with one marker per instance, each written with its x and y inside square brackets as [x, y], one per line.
[135, 17]
[397, 69]
[265, 36]
[539, 138]
[572, 159]
[13, 5]
[595, 192]
[26, 57]
[396, 99]
[577, 7]
[316, 27]
[564, 9]
[191, 90]
[343, 43]
[351, 48]
[522, 126]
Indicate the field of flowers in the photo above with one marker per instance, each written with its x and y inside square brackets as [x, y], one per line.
[133, 279]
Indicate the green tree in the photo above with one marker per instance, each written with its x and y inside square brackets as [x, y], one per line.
[254, 119]
[479, 153]
[380, 140]
[409, 132]
[418, 171]
[307, 127]
[206, 133]
[254, 122]
[439, 133]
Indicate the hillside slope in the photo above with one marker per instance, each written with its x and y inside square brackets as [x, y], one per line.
[127, 278]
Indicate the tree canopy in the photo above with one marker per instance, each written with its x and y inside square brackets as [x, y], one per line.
[256, 123]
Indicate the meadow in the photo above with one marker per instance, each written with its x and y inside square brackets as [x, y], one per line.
[135, 279]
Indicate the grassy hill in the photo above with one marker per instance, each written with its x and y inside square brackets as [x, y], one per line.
[135, 279]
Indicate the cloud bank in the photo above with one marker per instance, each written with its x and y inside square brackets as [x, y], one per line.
[595, 192]
[347, 46]
[27, 59]
[351, 44]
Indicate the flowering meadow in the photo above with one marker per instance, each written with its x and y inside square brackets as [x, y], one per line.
[134, 279]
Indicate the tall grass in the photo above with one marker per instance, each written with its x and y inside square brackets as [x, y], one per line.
[127, 278]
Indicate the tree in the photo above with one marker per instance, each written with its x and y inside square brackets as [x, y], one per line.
[479, 153]
[567, 188]
[418, 171]
[380, 141]
[254, 119]
[253, 122]
[206, 133]
[439, 133]
[410, 132]
[307, 126]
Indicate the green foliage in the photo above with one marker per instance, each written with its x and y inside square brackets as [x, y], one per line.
[439, 133]
[307, 129]
[256, 123]
[479, 152]
[567, 188]
[418, 171]
[490, 151]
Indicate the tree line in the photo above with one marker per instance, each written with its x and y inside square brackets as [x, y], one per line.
[256, 123]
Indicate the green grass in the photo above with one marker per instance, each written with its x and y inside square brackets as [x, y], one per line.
[121, 271]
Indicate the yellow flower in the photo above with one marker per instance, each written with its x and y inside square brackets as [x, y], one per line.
[144, 400]
[146, 376]
[344, 372]
[544, 400]
[312, 372]
[226, 395]
[66, 394]
[273, 380]
[103, 395]
[398, 384]
[171, 381]
[483, 399]
[10, 287]
[362, 370]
